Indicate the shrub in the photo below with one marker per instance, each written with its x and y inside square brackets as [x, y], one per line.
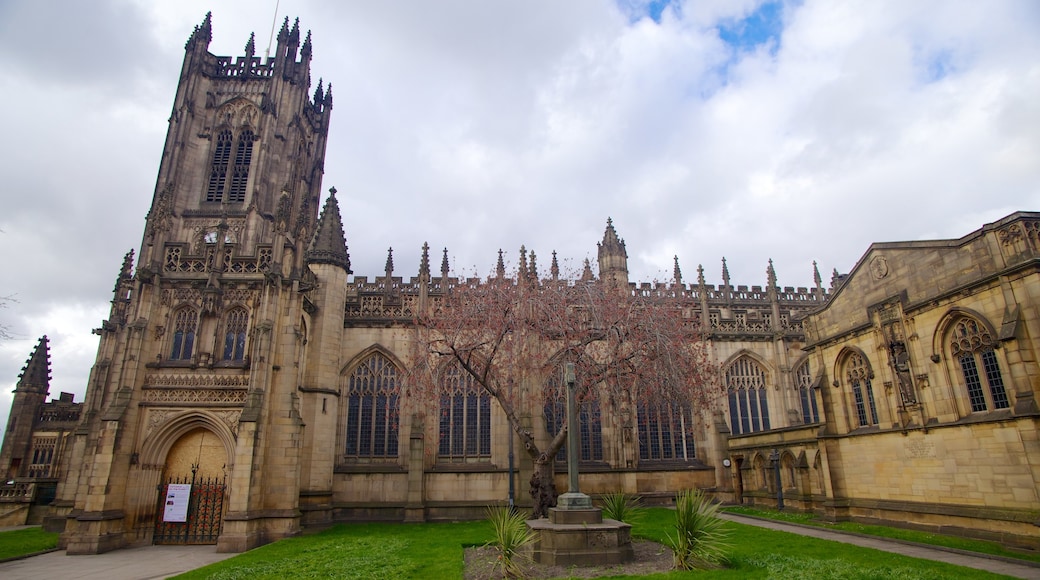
[621, 507]
[701, 535]
[511, 535]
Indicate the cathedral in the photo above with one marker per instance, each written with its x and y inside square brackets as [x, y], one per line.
[248, 385]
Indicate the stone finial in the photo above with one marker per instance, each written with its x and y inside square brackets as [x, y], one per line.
[816, 275]
[554, 268]
[771, 275]
[283, 34]
[500, 268]
[319, 93]
[533, 273]
[444, 264]
[328, 97]
[676, 272]
[294, 34]
[725, 272]
[251, 46]
[389, 262]
[522, 274]
[305, 50]
[700, 275]
[202, 33]
[586, 273]
[126, 271]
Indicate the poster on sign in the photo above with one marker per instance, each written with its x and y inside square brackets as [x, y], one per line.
[177, 502]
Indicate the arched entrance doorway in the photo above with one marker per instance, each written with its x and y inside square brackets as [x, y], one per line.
[191, 495]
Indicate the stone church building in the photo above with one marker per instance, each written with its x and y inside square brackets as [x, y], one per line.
[244, 358]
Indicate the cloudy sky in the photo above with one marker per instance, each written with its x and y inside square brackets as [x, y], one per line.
[790, 130]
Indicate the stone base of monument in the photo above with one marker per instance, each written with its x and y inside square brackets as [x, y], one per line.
[580, 537]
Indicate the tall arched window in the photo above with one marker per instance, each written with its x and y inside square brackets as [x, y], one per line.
[748, 407]
[665, 432]
[465, 421]
[185, 322]
[972, 346]
[219, 182]
[218, 169]
[240, 173]
[806, 396]
[235, 334]
[590, 428]
[857, 373]
[372, 409]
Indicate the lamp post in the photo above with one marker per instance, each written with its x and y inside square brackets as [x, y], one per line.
[775, 458]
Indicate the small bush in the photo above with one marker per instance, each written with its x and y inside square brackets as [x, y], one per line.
[701, 535]
[511, 535]
[621, 507]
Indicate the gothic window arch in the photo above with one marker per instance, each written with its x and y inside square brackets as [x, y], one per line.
[665, 432]
[465, 418]
[227, 179]
[235, 326]
[590, 427]
[858, 375]
[185, 324]
[373, 396]
[806, 397]
[971, 345]
[748, 405]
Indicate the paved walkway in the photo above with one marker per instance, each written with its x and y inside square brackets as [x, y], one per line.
[959, 557]
[164, 561]
[128, 564]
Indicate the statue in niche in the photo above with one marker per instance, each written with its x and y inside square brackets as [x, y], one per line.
[900, 360]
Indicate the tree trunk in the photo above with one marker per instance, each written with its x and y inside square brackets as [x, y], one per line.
[543, 488]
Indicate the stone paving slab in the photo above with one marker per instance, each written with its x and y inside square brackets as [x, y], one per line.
[996, 565]
[127, 564]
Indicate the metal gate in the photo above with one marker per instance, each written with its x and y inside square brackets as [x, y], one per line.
[204, 515]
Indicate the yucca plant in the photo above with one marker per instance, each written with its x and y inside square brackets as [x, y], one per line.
[622, 507]
[701, 538]
[511, 535]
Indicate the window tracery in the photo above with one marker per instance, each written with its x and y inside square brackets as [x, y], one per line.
[590, 428]
[235, 334]
[857, 373]
[748, 405]
[972, 346]
[665, 432]
[465, 418]
[373, 395]
[223, 187]
[806, 396]
[185, 322]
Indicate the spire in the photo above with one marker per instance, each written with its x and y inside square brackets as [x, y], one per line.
[771, 275]
[328, 97]
[329, 246]
[725, 272]
[305, 51]
[522, 273]
[424, 262]
[677, 273]
[554, 269]
[533, 273]
[283, 34]
[586, 274]
[202, 34]
[816, 276]
[36, 374]
[700, 275]
[444, 265]
[319, 94]
[251, 46]
[389, 262]
[126, 272]
[500, 268]
[294, 34]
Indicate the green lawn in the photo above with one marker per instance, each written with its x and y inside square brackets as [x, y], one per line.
[26, 541]
[980, 546]
[401, 551]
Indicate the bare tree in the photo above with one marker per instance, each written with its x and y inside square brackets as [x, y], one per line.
[511, 334]
[5, 329]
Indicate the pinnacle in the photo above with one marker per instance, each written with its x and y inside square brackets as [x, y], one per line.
[36, 374]
[329, 245]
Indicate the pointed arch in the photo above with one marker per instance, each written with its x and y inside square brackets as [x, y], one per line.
[157, 445]
[590, 425]
[804, 383]
[968, 343]
[746, 379]
[373, 396]
[856, 372]
[185, 325]
[464, 425]
[236, 324]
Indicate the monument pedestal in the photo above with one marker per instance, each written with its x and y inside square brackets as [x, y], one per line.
[580, 537]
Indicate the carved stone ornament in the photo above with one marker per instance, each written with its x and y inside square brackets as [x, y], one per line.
[879, 267]
[1009, 235]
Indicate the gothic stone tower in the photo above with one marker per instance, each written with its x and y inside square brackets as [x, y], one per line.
[30, 392]
[200, 365]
